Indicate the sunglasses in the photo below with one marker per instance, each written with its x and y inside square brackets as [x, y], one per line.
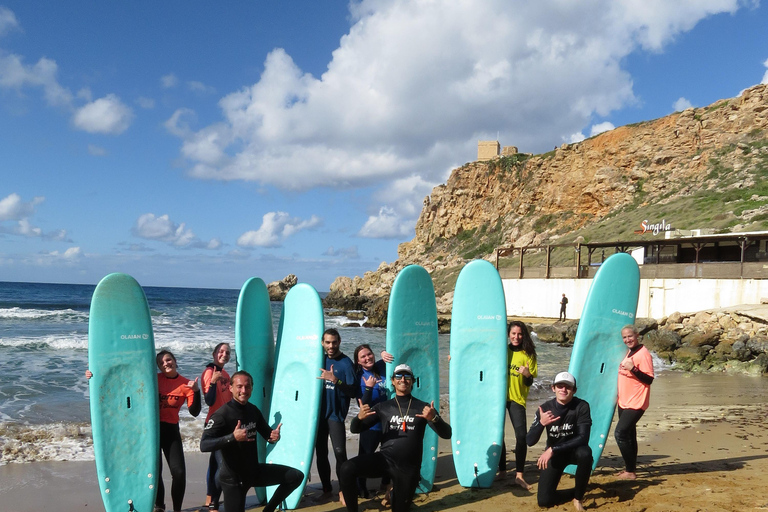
[561, 385]
[406, 376]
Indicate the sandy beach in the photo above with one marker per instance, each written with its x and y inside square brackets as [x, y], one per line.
[702, 447]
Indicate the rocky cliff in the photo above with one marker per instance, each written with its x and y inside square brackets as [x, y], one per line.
[708, 165]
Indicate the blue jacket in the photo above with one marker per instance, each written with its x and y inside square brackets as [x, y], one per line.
[336, 395]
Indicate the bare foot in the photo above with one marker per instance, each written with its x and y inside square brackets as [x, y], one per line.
[387, 501]
[341, 499]
[521, 482]
[626, 475]
[577, 504]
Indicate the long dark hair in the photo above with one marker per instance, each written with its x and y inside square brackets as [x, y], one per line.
[217, 347]
[161, 354]
[527, 342]
[358, 368]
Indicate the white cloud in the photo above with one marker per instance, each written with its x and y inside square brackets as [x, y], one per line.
[599, 128]
[145, 103]
[72, 253]
[14, 74]
[414, 85]
[343, 252]
[681, 104]
[276, 227]
[168, 81]
[69, 257]
[765, 76]
[105, 115]
[163, 229]
[13, 208]
[27, 229]
[17, 213]
[200, 87]
[575, 137]
[178, 123]
[387, 224]
[8, 21]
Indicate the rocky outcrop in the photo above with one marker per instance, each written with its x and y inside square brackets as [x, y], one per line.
[521, 200]
[725, 341]
[713, 341]
[279, 289]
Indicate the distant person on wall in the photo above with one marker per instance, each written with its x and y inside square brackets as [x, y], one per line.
[522, 368]
[403, 420]
[568, 422]
[635, 378]
[232, 431]
[340, 386]
[563, 304]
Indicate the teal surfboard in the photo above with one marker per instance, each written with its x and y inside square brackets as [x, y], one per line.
[412, 339]
[296, 389]
[598, 348]
[125, 409]
[478, 373]
[255, 349]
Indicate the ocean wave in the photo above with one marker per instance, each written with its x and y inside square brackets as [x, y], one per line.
[56, 315]
[74, 341]
[53, 442]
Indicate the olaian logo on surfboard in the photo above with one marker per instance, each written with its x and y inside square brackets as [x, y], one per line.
[134, 336]
[424, 324]
[489, 317]
[622, 313]
[307, 337]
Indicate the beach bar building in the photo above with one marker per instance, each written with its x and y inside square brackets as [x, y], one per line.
[684, 271]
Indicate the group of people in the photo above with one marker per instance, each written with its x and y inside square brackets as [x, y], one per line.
[393, 426]
[567, 419]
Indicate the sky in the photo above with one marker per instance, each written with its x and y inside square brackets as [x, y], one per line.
[198, 144]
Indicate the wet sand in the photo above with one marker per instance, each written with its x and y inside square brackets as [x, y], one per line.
[702, 447]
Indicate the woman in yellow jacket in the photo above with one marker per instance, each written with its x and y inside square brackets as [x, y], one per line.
[522, 368]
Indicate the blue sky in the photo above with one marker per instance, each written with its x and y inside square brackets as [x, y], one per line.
[198, 144]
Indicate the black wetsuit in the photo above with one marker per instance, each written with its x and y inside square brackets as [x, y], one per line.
[400, 453]
[240, 469]
[569, 439]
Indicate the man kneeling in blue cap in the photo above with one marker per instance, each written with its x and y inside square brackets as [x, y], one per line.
[568, 422]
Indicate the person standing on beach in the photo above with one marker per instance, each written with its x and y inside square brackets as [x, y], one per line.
[635, 378]
[522, 369]
[339, 375]
[174, 391]
[568, 422]
[563, 304]
[216, 393]
[232, 431]
[403, 421]
[372, 391]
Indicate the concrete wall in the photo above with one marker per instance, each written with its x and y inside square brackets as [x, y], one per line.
[658, 297]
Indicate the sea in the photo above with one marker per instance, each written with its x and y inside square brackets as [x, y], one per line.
[44, 398]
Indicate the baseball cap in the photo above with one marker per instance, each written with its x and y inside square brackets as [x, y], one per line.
[403, 368]
[565, 378]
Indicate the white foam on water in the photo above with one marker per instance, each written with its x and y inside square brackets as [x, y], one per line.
[64, 315]
[73, 341]
[53, 442]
